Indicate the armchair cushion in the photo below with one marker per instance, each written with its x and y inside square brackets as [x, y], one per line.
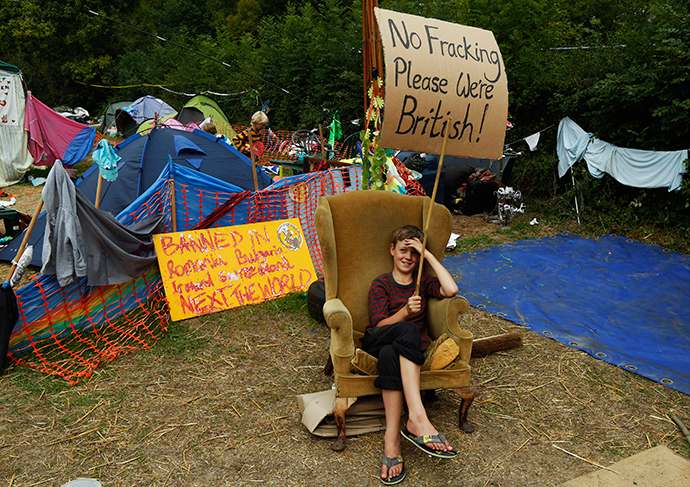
[444, 354]
[429, 353]
[363, 363]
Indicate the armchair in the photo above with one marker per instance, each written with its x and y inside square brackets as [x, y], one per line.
[354, 231]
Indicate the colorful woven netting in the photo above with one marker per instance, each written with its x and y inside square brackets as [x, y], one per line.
[68, 331]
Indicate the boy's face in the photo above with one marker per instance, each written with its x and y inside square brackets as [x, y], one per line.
[257, 126]
[405, 258]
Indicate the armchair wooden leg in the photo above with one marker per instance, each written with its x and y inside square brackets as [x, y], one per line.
[328, 368]
[341, 405]
[466, 398]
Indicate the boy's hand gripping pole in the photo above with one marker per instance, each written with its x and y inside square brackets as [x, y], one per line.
[431, 206]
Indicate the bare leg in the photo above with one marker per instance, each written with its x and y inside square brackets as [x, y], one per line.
[392, 402]
[417, 423]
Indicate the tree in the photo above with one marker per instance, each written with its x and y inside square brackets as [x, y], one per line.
[62, 50]
[312, 52]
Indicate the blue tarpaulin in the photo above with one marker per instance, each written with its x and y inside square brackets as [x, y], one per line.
[619, 300]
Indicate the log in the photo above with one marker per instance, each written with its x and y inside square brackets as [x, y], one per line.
[481, 347]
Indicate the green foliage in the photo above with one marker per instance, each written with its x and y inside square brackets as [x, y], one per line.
[295, 303]
[180, 340]
[182, 19]
[519, 231]
[314, 52]
[635, 93]
[619, 68]
[60, 48]
[36, 382]
[246, 19]
[476, 242]
[373, 155]
[535, 174]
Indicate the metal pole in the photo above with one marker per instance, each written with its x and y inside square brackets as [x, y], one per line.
[577, 209]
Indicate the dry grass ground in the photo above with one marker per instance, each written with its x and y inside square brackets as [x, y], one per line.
[214, 403]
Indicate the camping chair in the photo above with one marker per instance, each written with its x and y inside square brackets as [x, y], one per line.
[354, 232]
[350, 148]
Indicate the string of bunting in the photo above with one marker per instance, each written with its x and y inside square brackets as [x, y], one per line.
[207, 92]
[124, 86]
[163, 87]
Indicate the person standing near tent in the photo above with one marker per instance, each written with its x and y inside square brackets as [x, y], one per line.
[397, 337]
[241, 139]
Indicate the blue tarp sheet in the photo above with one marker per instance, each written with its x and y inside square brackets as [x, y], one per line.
[619, 300]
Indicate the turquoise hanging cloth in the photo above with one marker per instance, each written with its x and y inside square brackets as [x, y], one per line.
[105, 157]
[336, 129]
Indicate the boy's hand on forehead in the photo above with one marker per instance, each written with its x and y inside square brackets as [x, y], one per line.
[415, 243]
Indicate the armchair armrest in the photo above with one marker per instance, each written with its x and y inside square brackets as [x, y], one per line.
[339, 320]
[442, 317]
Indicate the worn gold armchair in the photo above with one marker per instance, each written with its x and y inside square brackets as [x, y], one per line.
[354, 231]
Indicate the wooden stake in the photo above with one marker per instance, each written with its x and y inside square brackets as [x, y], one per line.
[482, 347]
[25, 240]
[323, 152]
[98, 190]
[577, 209]
[172, 204]
[251, 155]
[431, 206]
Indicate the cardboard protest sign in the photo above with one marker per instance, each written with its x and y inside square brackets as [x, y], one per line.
[211, 270]
[438, 72]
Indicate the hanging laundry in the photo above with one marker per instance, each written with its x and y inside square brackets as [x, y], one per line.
[532, 141]
[632, 167]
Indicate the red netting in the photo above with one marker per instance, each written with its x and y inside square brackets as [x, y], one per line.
[287, 145]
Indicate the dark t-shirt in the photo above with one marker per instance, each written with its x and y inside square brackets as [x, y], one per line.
[387, 297]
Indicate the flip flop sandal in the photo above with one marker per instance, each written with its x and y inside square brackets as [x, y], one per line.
[392, 462]
[421, 442]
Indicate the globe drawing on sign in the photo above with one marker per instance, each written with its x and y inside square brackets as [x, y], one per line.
[290, 236]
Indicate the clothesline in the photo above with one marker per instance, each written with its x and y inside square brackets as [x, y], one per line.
[532, 140]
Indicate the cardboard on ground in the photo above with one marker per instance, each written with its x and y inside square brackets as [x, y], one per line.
[215, 269]
[439, 76]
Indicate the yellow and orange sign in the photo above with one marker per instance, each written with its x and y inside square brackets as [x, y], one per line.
[215, 269]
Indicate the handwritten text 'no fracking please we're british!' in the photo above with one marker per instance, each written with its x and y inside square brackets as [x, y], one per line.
[463, 57]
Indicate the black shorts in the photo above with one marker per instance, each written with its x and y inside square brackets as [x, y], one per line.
[387, 343]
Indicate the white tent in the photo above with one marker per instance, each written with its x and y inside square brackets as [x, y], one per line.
[15, 159]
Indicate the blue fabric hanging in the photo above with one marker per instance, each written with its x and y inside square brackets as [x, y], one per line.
[632, 167]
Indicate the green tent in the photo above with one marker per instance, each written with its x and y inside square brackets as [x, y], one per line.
[109, 117]
[10, 68]
[198, 109]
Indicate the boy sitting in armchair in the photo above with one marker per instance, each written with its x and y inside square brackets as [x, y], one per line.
[397, 337]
